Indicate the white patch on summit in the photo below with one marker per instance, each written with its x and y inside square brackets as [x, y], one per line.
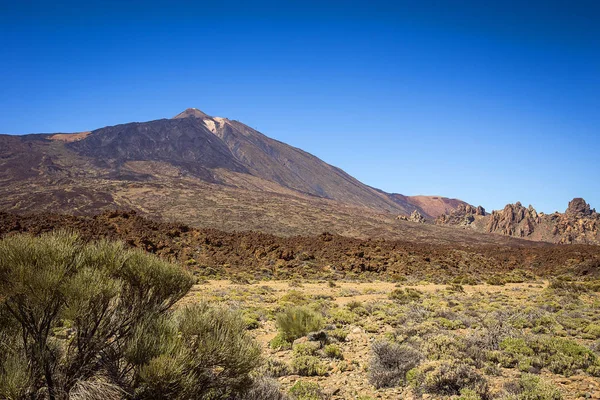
[210, 124]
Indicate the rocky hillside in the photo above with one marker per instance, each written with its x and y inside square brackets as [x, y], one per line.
[211, 251]
[206, 171]
[578, 224]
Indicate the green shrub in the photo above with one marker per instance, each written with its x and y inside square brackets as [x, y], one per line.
[592, 331]
[207, 337]
[279, 343]
[306, 349]
[308, 366]
[339, 334]
[294, 297]
[96, 318]
[295, 322]
[344, 317]
[406, 295]
[275, 368]
[531, 387]
[306, 391]
[444, 347]
[563, 356]
[100, 289]
[468, 394]
[333, 351]
[496, 280]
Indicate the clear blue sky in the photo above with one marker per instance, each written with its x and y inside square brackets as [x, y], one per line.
[490, 102]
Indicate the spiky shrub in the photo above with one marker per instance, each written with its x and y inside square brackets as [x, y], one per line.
[390, 362]
[295, 322]
[265, 389]
[77, 317]
[208, 355]
[448, 378]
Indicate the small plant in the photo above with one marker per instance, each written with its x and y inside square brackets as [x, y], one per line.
[344, 317]
[275, 368]
[455, 287]
[390, 362]
[295, 322]
[448, 378]
[333, 351]
[406, 295]
[306, 391]
[339, 334]
[308, 366]
[279, 343]
[530, 387]
[306, 349]
[264, 389]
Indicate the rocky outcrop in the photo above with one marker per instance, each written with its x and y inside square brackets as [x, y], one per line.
[463, 215]
[514, 220]
[578, 224]
[416, 216]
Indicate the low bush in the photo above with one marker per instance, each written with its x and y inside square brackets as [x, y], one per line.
[563, 356]
[264, 389]
[448, 378]
[333, 351]
[390, 362]
[306, 349]
[306, 391]
[295, 322]
[406, 295]
[278, 343]
[308, 366]
[531, 387]
[275, 368]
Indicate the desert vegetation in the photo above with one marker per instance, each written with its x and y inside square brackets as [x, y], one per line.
[523, 340]
[97, 319]
[91, 321]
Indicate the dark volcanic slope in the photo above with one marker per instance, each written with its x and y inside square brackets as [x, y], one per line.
[200, 144]
[212, 251]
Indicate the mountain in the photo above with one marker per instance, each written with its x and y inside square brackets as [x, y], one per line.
[578, 224]
[203, 170]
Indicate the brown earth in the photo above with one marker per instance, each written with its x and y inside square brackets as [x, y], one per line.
[260, 255]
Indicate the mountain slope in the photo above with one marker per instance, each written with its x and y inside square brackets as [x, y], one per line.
[208, 171]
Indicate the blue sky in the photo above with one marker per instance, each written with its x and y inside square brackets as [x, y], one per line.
[490, 102]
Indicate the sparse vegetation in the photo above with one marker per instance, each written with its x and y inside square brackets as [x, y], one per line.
[295, 322]
[82, 318]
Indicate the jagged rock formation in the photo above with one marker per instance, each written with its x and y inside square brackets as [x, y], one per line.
[514, 220]
[578, 224]
[463, 215]
[415, 216]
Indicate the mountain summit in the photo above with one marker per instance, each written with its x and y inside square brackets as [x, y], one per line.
[191, 112]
